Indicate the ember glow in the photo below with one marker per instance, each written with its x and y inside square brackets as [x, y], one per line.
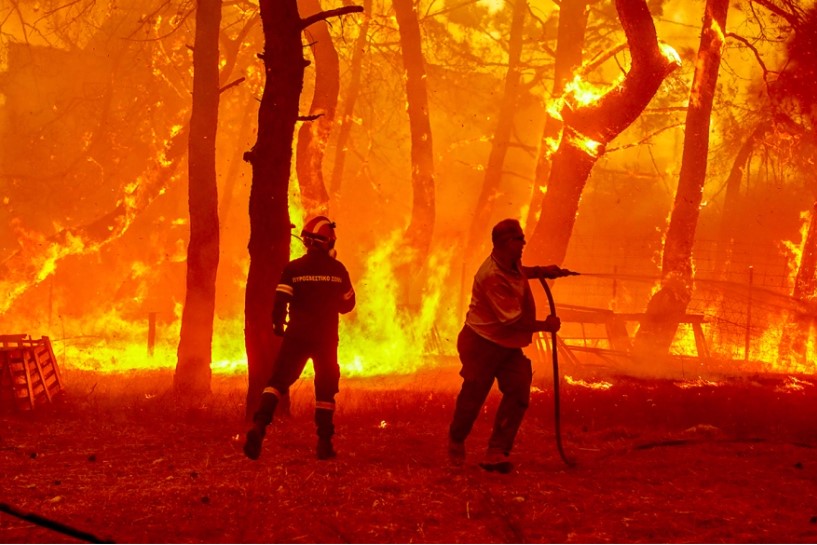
[94, 116]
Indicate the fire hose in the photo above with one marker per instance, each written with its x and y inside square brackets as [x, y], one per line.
[557, 418]
[51, 524]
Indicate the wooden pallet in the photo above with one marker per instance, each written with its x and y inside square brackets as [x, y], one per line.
[29, 374]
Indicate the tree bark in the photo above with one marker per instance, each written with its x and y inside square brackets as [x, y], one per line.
[192, 377]
[588, 128]
[656, 331]
[352, 93]
[569, 45]
[271, 158]
[313, 135]
[418, 234]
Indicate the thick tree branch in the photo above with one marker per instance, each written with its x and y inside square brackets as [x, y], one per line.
[231, 84]
[603, 119]
[324, 15]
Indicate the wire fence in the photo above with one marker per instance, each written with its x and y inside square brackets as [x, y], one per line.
[743, 295]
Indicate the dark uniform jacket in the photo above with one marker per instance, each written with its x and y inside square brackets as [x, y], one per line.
[317, 288]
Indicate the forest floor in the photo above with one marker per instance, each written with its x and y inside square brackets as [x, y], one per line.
[656, 461]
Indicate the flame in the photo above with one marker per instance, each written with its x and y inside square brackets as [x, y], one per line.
[591, 147]
[377, 338]
[697, 383]
[596, 385]
[793, 384]
[581, 92]
[381, 338]
[795, 249]
[669, 53]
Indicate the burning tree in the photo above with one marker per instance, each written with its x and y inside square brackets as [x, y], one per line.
[314, 134]
[589, 125]
[657, 330]
[795, 87]
[420, 228]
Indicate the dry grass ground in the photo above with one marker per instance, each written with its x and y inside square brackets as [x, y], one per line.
[655, 463]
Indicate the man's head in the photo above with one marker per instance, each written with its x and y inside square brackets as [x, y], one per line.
[319, 233]
[509, 240]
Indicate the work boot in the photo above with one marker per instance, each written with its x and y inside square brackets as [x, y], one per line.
[324, 449]
[456, 452]
[255, 436]
[496, 460]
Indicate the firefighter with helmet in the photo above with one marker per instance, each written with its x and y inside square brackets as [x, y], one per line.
[314, 289]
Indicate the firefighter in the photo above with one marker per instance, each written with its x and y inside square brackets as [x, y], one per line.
[314, 289]
[500, 321]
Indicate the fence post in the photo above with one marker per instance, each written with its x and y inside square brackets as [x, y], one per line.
[748, 315]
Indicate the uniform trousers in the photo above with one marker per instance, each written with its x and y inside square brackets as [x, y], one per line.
[289, 365]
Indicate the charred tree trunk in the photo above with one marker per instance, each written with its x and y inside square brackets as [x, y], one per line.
[313, 134]
[793, 346]
[349, 102]
[418, 234]
[656, 332]
[500, 143]
[192, 378]
[271, 158]
[569, 45]
[588, 128]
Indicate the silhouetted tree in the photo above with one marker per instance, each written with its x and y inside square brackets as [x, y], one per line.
[499, 144]
[669, 303]
[271, 159]
[349, 101]
[569, 44]
[192, 377]
[421, 226]
[314, 134]
[588, 128]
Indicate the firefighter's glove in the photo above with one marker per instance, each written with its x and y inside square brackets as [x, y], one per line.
[552, 271]
[278, 329]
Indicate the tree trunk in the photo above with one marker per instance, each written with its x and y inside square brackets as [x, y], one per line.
[793, 346]
[475, 243]
[352, 93]
[271, 158]
[192, 378]
[569, 45]
[418, 234]
[313, 135]
[588, 128]
[656, 332]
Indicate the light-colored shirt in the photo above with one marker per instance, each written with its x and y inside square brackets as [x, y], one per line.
[502, 308]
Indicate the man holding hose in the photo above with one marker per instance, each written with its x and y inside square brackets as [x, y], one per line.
[501, 320]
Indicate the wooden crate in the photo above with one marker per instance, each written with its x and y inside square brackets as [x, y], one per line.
[29, 374]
